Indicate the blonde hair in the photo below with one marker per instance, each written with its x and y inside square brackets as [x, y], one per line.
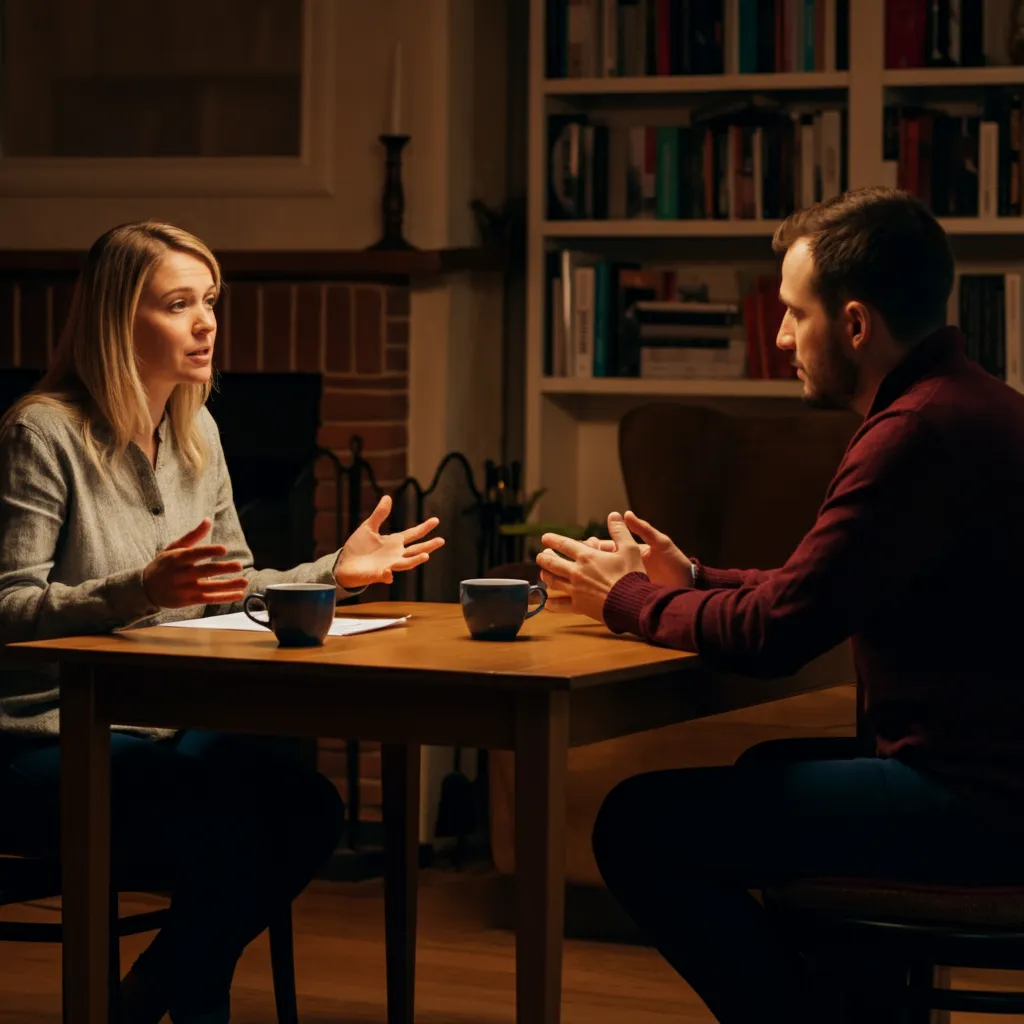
[94, 376]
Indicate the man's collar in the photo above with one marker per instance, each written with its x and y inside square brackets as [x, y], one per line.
[939, 350]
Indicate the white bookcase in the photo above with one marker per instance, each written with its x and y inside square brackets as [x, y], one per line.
[571, 446]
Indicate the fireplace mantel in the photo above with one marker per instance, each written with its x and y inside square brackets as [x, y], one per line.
[338, 264]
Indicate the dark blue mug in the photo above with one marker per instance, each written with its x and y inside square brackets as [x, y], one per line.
[497, 609]
[300, 614]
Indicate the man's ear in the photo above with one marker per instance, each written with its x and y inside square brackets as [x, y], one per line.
[857, 324]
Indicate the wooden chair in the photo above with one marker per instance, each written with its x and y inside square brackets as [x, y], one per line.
[926, 928]
[28, 879]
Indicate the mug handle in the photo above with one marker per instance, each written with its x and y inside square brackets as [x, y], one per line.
[543, 591]
[262, 598]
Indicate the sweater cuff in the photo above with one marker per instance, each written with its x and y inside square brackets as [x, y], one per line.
[327, 566]
[718, 579]
[125, 597]
[625, 602]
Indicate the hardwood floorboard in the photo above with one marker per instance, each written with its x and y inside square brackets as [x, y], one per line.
[464, 966]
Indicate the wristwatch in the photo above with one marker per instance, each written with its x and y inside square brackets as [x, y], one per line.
[696, 570]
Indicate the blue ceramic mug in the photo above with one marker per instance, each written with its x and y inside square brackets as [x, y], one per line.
[300, 614]
[497, 609]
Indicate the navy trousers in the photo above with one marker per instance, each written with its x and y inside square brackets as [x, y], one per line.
[681, 849]
[237, 824]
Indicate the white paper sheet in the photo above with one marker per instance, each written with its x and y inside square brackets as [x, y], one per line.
[239, 620]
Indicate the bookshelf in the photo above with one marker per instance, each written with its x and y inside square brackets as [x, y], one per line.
[932, 78]
[688, 85]
[982, 226]
[639, 229]
[571, 444]
[671, 388]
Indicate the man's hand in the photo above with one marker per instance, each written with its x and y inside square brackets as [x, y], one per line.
[372, 557]
[182, 575]
[664, 563]
[582, 584]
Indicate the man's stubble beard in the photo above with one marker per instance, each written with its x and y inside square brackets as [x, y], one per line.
[835, 378]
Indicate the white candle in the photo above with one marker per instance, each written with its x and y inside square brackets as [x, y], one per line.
[396, 91]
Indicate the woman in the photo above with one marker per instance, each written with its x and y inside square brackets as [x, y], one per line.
[116, 510]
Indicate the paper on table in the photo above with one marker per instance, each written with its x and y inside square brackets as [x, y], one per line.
[239, 620]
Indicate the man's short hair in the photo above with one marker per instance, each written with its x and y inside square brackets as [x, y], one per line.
[880, 246]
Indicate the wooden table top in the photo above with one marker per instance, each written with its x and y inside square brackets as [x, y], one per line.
[552, 652]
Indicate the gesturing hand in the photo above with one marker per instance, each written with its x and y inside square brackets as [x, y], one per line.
[179, 576]
[372, 557]
[582, 584]
[664, 563]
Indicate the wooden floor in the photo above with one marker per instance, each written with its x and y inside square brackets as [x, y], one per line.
[465, 966]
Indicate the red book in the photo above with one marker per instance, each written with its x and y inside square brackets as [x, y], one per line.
[775, 363]
[820, 42]
[905, 29]
[750, 328]
[663, 37]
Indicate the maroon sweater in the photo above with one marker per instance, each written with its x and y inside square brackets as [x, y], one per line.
[915, 555]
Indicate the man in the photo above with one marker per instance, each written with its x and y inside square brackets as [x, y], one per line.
[912, 556]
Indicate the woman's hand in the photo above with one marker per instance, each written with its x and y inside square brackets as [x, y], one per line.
[179, 576]
[372, 557]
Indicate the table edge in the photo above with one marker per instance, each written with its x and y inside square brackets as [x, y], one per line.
[29, 653]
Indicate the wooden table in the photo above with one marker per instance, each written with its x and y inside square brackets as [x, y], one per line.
[566, 681]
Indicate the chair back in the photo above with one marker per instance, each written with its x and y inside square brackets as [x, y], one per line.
[734, 490]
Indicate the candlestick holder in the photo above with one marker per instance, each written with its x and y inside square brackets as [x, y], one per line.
[393, 201]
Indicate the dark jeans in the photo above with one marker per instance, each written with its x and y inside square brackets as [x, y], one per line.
[680, 849]
[237, 824]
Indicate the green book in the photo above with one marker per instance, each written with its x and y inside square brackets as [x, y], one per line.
[666, 179]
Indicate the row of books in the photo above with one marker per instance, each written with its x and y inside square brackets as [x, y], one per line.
[613, 319]
[960, 165]
[761, 165]
[987, 307]
[948, 33]
[597, 38]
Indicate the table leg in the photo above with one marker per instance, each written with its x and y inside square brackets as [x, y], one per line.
[400, 783]
[85, 846]
[542, 741]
